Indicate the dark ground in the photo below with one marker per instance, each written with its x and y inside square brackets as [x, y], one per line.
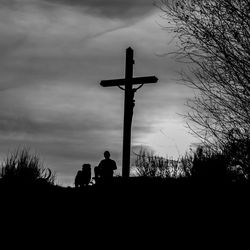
[134, 192]
[145, 210]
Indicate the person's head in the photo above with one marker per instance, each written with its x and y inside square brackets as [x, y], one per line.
[106, 155]
[86, 166]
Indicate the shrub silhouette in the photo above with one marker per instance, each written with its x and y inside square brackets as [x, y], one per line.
[149, 165]
[209, 165]
[21, 167]
[204, 164]
[238, 151]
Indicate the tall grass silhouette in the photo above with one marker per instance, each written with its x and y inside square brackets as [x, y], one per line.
[24, 168]
[150, 165]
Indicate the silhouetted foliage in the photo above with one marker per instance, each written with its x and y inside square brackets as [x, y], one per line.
[149, 165]
[22, 167]
[209, 165]
[238, 151]
[203, 164]
[217, 166]
[214, 38]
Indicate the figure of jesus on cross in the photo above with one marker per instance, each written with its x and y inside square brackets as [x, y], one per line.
[128, 82]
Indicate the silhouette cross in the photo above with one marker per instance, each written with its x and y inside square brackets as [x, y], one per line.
[129, 104]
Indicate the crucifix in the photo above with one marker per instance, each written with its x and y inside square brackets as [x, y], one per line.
[128, 82]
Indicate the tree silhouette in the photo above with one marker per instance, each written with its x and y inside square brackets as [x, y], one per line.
[214, 38]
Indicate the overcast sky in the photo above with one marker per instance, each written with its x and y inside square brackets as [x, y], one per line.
[54, 53]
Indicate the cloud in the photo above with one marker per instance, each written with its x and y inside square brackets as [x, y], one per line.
[38, 45]
[53, 56]
[110, 9]
[121, 9]
[63, 123]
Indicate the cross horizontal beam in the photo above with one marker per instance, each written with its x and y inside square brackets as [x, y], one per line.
[134, 81]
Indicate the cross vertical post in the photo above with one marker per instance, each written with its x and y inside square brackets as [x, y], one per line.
[128, 113]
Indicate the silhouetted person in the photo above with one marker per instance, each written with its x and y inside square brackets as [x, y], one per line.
[105, 169]
[83, 176]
